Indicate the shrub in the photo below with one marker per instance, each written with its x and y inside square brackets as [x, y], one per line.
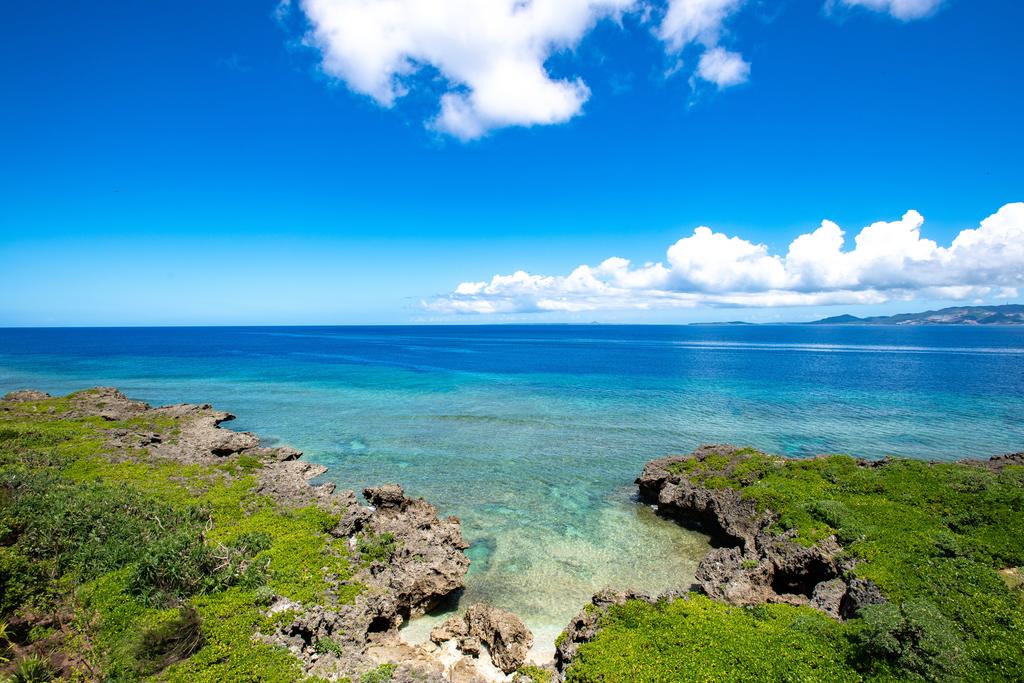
[534, 674]
[912, 637]
[382, 674]
[183, 564]
[328, 646]
[377, 547]
[32, 669]
[168, 642]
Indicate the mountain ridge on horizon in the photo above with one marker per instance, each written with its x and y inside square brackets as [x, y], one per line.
[1005, 314]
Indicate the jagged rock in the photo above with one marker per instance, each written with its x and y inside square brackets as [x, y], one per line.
[859, 594]
[722, 575]
[828, 597]
[284, 453]
[386, 497]
[464, 672]
[721, 512]
[760, 565]
[998, 462]
[505, 636]
[453, 628]
[429, 562]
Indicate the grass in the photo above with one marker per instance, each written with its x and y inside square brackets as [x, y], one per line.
[938, 539]
[163, 566]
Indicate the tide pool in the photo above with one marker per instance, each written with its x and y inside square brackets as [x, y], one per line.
[532, 435]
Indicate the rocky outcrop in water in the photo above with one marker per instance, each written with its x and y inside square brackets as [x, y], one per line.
[756, 565]
[503, 634]
[428, 563]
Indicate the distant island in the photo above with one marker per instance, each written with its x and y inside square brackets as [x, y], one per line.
[1009, 314]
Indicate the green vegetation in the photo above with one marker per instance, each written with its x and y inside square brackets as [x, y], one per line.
[942, 542]
[156, 569]
[376, 547]
[697, 639]
[382, 674]
[534, 674]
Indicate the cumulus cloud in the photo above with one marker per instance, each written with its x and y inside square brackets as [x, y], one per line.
[492, 55]
[695, 21]
[904, 10]
[888, 261]
[702, 22]
[723, 68]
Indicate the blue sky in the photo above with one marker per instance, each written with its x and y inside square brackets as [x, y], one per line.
[180, 163]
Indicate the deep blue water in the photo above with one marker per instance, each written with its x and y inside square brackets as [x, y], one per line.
[533, 434]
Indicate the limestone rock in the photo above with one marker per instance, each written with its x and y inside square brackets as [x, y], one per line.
[429, 562]
[505, 636]
[25, 396]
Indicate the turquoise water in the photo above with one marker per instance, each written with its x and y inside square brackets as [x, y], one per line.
[532, 435]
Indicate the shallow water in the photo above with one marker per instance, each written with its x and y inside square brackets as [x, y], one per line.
[532, 435]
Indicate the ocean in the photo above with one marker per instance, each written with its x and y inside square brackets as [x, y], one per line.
[533, 434]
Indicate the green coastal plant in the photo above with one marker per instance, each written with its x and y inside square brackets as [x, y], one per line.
[534, 674]
[32, 669]
[382, 674]
[328, 646]
[697, 639]
[376, 547]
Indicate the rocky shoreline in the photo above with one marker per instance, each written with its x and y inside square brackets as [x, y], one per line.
[422, 562]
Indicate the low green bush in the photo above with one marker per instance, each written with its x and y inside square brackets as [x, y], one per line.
[376, 547]
[382, 674]
[168, 641]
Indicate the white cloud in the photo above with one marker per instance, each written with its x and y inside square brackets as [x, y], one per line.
[702, 22]
[888, 261]
[723, 68]
[492, 54]
[693, 21]
[904, 10]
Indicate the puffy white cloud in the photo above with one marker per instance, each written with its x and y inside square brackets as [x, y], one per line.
[701, 21]
[905, 10]
[723, 68]
[888, 261]
[491, 53]
[692, 21]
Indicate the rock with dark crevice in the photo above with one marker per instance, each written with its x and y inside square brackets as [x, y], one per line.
[428, 563]
[757, 565]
